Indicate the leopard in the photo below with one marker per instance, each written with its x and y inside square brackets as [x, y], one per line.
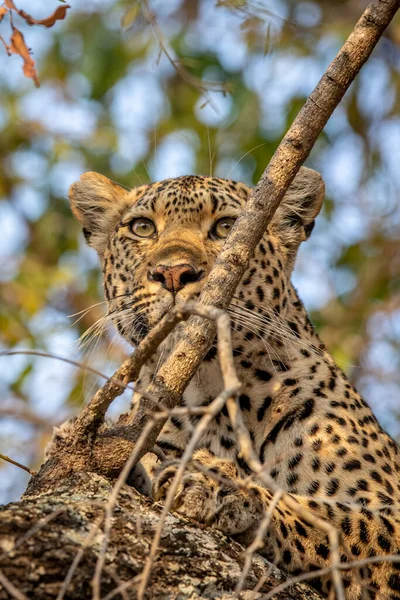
[315, 436]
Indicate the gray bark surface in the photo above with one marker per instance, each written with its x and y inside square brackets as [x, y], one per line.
[192, 562]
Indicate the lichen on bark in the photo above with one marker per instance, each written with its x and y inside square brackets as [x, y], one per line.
[41, 535]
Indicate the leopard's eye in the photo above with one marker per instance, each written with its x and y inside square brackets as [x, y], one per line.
[222, 228]
[142, 227]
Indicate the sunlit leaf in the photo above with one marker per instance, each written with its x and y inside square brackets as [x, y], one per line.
[129, 17]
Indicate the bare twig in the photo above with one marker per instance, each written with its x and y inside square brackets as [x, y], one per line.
[78, 557]
[34, 530]
[17, 464]
[202, 86]
[110, 507]
[197, 336]
[307, 515]
[213, 409]
[258, 541]
[10, 588]
[123, 385]
[92, 416]
[120, 584]
[122, 587]
[395, 558]
[230, 391]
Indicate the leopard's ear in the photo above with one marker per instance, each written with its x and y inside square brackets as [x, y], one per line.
[293, 221]
[98, 203]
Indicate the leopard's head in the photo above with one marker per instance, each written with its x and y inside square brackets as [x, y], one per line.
[158, 242]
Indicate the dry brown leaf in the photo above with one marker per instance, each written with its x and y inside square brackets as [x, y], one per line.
[10, 4]
[3, 12]
[17, 43]
[18, 46]
[58, 15]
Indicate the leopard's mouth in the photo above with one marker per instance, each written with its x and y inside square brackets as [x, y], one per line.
[144, 322]
[140, 330]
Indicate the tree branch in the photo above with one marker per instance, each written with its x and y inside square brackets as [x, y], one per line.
[105, 450]
[197, 337]
[41, 555]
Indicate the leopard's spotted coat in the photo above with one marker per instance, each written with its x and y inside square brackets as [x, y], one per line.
[317, 436]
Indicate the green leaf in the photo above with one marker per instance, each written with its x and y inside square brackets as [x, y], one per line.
[129, 17]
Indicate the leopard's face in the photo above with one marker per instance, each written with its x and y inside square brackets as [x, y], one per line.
[164, 246]
[158, 243]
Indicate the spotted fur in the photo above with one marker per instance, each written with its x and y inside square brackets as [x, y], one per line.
[316, 436]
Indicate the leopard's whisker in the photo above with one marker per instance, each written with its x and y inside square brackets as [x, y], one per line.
[250, 319]
[247, 324]
[276, 323]
[82, 313]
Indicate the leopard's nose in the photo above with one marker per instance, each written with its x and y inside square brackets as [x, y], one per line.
[174, 278]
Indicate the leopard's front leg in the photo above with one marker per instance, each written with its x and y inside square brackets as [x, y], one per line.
[212, 492]
[225, 501]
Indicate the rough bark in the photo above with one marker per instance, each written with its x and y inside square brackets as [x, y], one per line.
[192, 562]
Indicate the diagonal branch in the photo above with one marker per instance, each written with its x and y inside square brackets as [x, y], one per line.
[113, 446]
[197, 336]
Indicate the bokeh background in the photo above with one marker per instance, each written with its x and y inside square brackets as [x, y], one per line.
[144, 91]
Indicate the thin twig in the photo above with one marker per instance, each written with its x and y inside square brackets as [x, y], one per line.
[69, 361]
[78, 557]
[213, 409]
[96, 584]
[259, 539]
[10, 588]
[202, 86]
[230, 391]
[325, 571]
[92, 416]
[17, 464]
[122, 587]
[254, 463]
[34, 530]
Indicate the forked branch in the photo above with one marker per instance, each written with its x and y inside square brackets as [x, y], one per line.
[198, 335]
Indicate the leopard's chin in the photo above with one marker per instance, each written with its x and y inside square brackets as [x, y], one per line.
[140, 330]
[144, 323]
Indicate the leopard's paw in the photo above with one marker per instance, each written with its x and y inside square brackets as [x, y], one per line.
[142, 474]
[215, 498]
[163, 479]
[239, 511]
[195, 496]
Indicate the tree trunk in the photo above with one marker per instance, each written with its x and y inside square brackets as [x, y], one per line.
[40, 536]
